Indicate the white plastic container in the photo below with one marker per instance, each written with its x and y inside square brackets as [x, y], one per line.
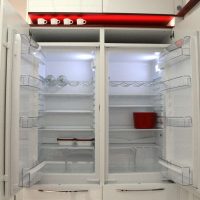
[66, 141]
[85, 142]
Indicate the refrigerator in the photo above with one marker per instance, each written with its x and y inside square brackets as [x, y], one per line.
[69, 100]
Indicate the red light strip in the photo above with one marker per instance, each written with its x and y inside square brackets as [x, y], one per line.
[131, 20]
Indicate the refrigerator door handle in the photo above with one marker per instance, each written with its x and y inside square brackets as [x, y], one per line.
[140, 190]
[65, 191]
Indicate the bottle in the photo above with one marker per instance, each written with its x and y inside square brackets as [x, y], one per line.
[50, 81]
[62, 81]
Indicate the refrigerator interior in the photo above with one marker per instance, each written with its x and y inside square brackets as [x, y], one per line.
[142, 80]
[58, 95]
[131, 76]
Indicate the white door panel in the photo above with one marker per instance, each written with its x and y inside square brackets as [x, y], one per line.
[10, 61]
[141, 192]
[91, 194]
[91, 6]
[53, 6]
[142, 6]
[65, 6]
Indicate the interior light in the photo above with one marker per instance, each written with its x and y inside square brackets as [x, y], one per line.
[157, 54]
[150, 57]
[157, 68]
[85, 56]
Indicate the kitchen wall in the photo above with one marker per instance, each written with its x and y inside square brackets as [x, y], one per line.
[190, 23]
[21, 6]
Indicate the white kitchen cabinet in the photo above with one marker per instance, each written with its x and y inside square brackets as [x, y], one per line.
[53, 6]
[76, 137]
[65, 6]
[105, 6]
[142, 6]
[90, 6]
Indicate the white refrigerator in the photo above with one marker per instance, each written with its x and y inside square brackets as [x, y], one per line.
[69, 100]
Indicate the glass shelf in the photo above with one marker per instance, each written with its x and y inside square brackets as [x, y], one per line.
[133, 146]
[67, 94]
[64, 147]
[66, 111]
[132, 95]
[66, 128]
[134, 106]
[128, 129]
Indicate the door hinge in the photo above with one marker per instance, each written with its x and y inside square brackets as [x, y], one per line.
[3, 178]
[172, 36]
[6, 45]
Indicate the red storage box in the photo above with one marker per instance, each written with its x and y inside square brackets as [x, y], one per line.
[144, 120]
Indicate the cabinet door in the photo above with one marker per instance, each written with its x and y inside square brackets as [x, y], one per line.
[91, 6]
[142, 6]
[141, 192]
[65, 6]
[94, 194]
[54, 6]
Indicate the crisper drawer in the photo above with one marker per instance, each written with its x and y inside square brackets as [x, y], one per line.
[94, 193]
[144, 191]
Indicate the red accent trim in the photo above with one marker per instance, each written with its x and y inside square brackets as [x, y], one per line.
[89, 13]
[107, 20]
[105, 26]
[187, 8]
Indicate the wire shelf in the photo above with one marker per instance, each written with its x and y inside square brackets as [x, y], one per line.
[28, 122]
[175, 83]
[73, 84]
[31, 81]
[80, 83]
[131, 83]
[176, 172]
[179, 121]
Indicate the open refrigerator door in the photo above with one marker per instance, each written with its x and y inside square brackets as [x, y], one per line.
[21, 137]
[179, 92]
